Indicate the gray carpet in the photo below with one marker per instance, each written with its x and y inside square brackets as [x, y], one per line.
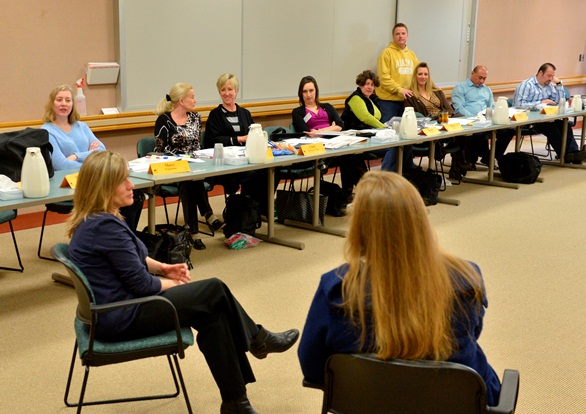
[528, 243]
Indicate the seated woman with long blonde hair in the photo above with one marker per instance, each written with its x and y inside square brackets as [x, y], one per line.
[399, 295]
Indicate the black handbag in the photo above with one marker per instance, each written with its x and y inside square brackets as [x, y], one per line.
[298, 206]
[13, 147]
[170, 244]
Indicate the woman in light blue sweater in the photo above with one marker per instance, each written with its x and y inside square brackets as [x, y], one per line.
[72, 140]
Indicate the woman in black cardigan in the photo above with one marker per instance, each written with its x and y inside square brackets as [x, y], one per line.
[228, 124]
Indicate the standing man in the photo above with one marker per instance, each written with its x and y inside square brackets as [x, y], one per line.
[468, 99]
[395, 68]
[540, 90]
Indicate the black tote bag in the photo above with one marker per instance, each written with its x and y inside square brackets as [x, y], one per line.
[298, 206]
[13, 147]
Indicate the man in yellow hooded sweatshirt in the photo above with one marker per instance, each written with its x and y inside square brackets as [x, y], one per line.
[395, 68]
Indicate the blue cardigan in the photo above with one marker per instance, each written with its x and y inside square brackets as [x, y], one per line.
[328, 332]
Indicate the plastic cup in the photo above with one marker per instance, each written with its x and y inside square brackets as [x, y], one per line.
[219, 154]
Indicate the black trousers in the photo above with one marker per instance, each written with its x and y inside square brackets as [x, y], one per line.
[553, 131]
[477, 145]
[193, 195]
[224, 330]
[352, 168]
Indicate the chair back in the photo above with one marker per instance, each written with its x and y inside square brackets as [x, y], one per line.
[144, 146]
[270, 130]
[7, 215]
[85, 296]
[361, 383]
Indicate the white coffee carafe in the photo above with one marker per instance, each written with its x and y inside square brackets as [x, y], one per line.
[257, 144]
[34, 176]
[500, 114]
[408, 125]
[577, 103]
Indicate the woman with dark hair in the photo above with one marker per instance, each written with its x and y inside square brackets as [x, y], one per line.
[313, 117]
[400, 295]
[361, 108]
[117, 267]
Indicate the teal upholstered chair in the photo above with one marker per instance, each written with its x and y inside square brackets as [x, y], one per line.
[362, 383]
[298, 171]
[143, 147]
[7, 217]
[94, 352]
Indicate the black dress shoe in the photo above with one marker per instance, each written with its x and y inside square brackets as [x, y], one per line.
[266, 342]
[216, 225]
[576, 157]
[198, 245]
[239, 406]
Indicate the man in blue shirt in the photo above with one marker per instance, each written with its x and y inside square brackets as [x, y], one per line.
[539, 91]
[471, 97]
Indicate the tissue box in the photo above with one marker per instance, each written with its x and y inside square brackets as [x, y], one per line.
[11, 194]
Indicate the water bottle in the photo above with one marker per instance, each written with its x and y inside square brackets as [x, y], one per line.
[562, 106]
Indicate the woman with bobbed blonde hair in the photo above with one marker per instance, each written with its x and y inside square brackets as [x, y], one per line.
[178, 131]
[400, 295]
[228, 124]
[117, 267]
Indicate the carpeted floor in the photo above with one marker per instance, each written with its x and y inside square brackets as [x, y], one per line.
[528, 243]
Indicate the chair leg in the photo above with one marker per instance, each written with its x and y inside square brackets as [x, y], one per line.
[39, 255]
[177, 211]
[165, 205]
[69, 377]
[17, 252]
[81, 403]
[181, 382]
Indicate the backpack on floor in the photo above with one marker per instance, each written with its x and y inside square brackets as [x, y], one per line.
[519, 167]
[241, 215]
[337, 202]
[428, 183]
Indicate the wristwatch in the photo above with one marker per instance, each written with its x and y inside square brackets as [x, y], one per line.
[558, 83]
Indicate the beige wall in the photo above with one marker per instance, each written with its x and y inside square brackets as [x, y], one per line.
[47, 42]
[514, 37]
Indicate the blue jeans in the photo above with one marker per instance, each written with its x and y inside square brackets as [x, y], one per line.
[388, 110]
[389, 161]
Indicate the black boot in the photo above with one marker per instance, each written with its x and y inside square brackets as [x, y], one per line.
[238, 406]
[266, 342]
